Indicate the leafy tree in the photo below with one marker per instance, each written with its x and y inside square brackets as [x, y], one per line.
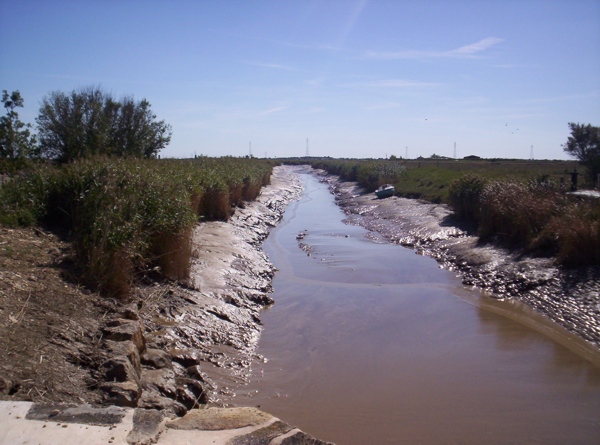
[16, 140]
[584, 144]
[90, 121]
[136, 132]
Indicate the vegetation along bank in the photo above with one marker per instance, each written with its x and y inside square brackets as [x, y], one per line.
[516, 204]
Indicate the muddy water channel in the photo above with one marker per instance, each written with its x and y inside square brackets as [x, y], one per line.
[369, 343]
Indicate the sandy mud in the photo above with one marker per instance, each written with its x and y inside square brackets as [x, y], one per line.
[160, 349]
[570, 297]
[211, 330]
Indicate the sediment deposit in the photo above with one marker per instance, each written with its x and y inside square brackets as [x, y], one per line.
[570, 297]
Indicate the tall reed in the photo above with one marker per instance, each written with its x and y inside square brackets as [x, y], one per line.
[129, 216]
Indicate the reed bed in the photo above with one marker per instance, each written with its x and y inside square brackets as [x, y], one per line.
[535, 216]
[370, 174]
[430, 179]
[520, 204]
[130, 217]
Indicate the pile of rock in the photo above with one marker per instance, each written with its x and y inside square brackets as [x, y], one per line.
[138, 376]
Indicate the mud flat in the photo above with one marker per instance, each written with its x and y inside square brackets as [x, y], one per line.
[570, 297]
[65, 350]
[211, 329]
[60, 342]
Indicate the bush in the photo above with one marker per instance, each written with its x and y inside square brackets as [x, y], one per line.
[23, 199]
[129, 216]
[464, 196]
[576, 234]
[515, 213]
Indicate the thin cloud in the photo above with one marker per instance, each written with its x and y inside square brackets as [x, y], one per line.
[401, 83]
[272, 110]
[315, 47]
[391, 83]
[464, 52]
[271, 65]
[384, 106]
[474, 48]
[563, 98]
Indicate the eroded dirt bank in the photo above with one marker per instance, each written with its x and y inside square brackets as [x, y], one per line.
[570, 297]
[60, 342]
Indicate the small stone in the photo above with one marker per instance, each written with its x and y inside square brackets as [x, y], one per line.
[119, 369]
[191, 393]
[186, 357]
[161, 381]
[127, 349]
[216, 419]
[157, 358]
[123, 330]
[121, 393]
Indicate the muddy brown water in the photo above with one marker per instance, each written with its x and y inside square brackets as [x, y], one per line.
[369, 343]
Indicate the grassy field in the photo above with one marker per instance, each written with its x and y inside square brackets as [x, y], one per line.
[129, 217]
[430, 179]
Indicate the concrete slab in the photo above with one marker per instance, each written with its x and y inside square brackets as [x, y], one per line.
[17, 429]
[26, 423]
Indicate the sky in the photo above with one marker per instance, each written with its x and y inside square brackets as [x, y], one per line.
[339, 78]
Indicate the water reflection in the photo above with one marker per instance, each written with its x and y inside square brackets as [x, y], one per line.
[370, 343]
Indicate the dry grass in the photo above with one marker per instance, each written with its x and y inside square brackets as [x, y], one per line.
[129, 216]
[515, 213]
[173, 253]
[576, 234]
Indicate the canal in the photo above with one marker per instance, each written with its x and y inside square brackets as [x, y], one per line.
[369, 343]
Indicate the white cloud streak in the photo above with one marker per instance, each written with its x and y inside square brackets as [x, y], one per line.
[272, 110]
[391, 83]
[271, 66]
[464, 52]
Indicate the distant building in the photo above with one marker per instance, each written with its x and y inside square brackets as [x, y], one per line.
[471, 158]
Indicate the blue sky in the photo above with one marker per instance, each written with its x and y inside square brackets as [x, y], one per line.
[358, 78]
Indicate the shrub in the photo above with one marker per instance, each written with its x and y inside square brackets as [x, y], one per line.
[576, 234]
[23, 200]
[129, 216]
[515, 213]
[464, 196]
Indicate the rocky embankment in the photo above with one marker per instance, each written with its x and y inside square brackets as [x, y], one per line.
[68, 349]
[165, 348]
[570, 297]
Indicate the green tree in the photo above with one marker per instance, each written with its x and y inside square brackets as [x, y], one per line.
[16, 140]
[584, 144]
[90, 121]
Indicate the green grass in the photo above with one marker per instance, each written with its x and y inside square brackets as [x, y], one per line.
[430, 179]
[514, 203]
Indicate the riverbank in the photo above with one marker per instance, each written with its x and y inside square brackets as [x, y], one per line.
[569, 297]
[62, 345]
